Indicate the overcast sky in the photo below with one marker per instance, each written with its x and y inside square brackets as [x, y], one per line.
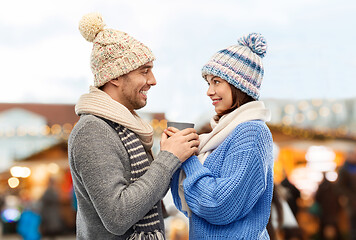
[311, 47]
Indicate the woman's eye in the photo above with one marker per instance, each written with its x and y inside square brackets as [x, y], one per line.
[216, 81]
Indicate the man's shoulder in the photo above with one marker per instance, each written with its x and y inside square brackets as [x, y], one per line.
[89, 120]
[89, 125]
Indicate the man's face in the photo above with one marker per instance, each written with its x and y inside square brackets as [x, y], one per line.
[135, 85]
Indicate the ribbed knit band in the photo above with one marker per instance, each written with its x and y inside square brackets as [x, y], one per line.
[240, 65]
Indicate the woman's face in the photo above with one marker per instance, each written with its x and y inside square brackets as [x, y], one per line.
[220, 93]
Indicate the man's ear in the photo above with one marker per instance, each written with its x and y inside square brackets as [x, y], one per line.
[116, 82]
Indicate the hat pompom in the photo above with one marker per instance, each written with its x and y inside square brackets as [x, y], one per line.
[90, 25]
[256, 42]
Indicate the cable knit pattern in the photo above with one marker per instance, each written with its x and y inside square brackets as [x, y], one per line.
[230, 194]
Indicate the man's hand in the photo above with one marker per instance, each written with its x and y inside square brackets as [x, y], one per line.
[170, 131]
[182, 144]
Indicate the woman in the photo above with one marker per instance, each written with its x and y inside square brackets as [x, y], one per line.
[226, 190]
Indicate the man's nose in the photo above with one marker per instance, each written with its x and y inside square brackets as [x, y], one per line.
[151, 80]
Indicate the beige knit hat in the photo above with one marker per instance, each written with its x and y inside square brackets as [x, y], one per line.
[114, 53]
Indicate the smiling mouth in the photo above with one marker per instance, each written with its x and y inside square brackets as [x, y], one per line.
[144, 93]
[216, 101]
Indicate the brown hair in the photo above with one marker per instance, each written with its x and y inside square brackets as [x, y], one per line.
[239, 98]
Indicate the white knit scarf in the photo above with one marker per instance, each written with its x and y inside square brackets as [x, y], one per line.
[99, 103]
[221, 130]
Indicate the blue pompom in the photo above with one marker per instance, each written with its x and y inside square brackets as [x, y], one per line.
[256, 42]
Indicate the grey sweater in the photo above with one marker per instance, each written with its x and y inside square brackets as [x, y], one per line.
[108, 203]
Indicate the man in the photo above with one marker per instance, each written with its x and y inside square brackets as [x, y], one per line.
[117, 183]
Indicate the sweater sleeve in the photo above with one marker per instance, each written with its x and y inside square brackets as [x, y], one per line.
[230, 195]
[99, 160]
[174, 191]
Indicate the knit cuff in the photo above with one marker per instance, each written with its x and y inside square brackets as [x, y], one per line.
[192, 165]
[168, 160]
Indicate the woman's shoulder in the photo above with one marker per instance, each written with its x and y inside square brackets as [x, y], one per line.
[251, 127]
[248, 133]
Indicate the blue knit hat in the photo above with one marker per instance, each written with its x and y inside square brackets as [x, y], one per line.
[241, 64]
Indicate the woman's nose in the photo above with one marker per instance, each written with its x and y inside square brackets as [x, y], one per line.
[210, 91]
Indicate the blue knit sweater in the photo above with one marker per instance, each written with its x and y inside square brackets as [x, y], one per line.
[230, 194]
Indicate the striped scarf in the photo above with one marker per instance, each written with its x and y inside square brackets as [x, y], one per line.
[148, 227]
